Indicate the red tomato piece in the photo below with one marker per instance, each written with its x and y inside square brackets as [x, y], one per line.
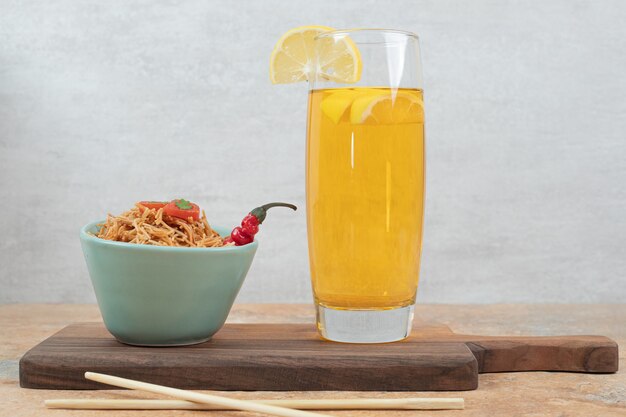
[182, 209]
[152, 204]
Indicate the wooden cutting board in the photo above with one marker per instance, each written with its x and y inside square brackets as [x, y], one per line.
[292, 357]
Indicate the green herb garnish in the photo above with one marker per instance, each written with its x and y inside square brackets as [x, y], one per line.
[183, 204]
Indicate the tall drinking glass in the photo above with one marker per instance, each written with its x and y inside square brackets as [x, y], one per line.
[365, 188]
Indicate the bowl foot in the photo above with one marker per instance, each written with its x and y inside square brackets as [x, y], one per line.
[185, 343]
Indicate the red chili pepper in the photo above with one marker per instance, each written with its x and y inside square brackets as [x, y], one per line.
[250, 225]
[240, 237]
[244, 234]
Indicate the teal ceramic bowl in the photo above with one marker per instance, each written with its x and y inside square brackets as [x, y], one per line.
[164, 296]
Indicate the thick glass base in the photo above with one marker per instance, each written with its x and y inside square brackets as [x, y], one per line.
[364, 326]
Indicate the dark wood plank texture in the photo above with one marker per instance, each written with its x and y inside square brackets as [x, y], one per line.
[286, 357]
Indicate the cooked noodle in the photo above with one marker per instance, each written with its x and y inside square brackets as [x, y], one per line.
[151, 227]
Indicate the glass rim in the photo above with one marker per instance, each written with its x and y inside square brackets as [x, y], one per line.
[336, 32]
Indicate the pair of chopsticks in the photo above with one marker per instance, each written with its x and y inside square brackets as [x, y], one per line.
[190, 400]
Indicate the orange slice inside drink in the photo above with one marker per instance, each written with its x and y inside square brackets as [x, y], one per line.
[391, 106]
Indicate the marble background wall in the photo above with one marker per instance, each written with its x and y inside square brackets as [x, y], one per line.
[106, 103]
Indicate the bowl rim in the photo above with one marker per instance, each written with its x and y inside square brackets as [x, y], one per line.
[87, 237]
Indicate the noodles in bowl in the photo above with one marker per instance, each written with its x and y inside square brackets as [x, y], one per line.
[163, 276]
[148, 224]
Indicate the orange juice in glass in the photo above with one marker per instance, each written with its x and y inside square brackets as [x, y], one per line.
[365, 193]
[364, 175]
[365, 189]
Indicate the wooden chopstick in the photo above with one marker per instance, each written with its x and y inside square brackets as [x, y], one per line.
[323, 404]
[229, 403]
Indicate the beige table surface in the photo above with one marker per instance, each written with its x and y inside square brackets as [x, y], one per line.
[510, 394]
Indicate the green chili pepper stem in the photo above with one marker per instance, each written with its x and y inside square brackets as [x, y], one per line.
[270, 205]
[261, 212]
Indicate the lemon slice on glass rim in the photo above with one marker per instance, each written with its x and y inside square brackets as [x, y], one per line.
[294, 57]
